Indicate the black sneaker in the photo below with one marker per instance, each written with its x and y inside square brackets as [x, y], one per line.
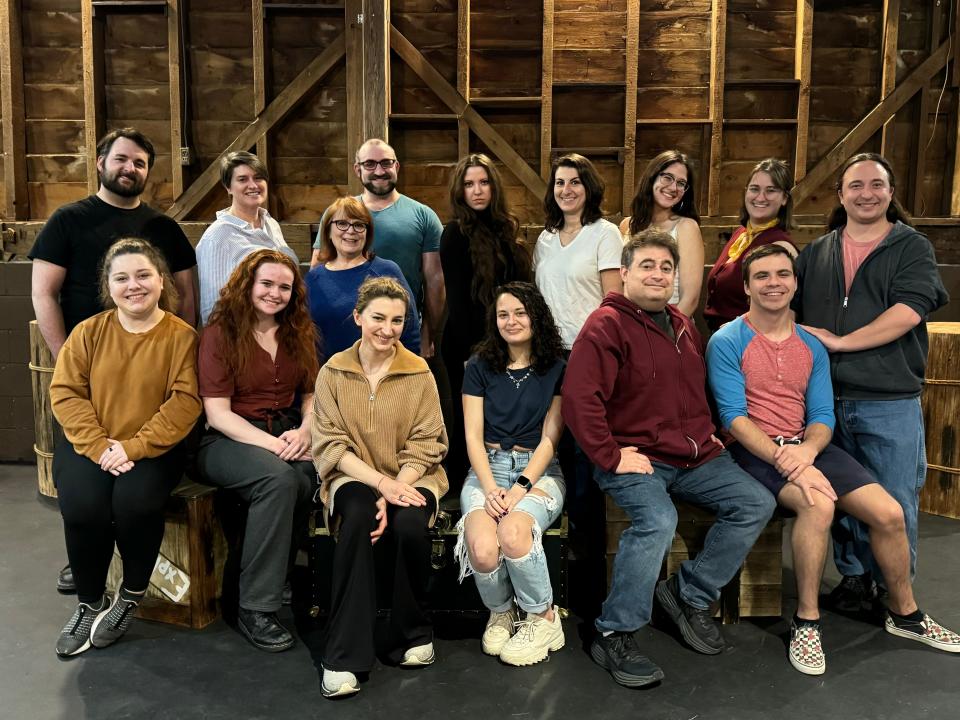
[853, 595]
[264, 630]
[111, 625]
[75, 636]
[696, 626]
[618, 654]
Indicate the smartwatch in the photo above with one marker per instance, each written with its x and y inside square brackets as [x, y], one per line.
[524, 482]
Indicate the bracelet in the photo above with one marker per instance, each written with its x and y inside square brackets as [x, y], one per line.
[382, 478]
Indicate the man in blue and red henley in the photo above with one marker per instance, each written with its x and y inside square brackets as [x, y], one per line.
[635, 399]
[771, 380]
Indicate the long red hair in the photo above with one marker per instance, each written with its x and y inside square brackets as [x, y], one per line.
[235, 315]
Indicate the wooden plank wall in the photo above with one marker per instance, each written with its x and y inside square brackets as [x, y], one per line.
[726, 81]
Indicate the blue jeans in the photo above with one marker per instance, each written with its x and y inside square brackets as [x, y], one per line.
[886, 437]
[742, 506]
[526, 577]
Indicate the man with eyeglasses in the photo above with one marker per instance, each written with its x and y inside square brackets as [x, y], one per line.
[406, 231]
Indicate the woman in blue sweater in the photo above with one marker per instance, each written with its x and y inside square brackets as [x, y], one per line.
[346, 260]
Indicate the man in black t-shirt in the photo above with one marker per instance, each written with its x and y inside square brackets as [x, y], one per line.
[67, 253]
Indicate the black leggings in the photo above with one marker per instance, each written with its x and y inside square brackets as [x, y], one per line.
[100, 509]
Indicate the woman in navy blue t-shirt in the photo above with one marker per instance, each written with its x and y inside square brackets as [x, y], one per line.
[514, 490]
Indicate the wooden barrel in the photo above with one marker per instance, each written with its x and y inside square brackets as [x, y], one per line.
[941, 409]
[41, 373]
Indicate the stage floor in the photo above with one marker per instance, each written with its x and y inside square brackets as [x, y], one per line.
[167, 672]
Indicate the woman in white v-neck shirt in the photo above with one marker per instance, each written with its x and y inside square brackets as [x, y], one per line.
[577, 258]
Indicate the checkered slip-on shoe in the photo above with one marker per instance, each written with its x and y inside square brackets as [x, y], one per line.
[928, 631]
[806, 648]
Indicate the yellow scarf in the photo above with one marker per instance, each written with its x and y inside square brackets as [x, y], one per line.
[746, 239]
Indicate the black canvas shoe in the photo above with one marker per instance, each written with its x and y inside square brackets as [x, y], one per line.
[696, 626]
[619, 655]
[853, 595]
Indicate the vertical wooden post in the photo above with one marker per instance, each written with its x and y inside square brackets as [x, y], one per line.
[367, 29]
[546, 91]
[915, 199]
[801, 71]
[630, 105]
[260, 50]
[463, 72]
[93, 82]
[955, 81]
[175, 61]
[15, 200]
[718, 39]
[888, 77]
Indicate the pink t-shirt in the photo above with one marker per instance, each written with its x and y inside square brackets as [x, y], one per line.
[776, 376]
[854, 254]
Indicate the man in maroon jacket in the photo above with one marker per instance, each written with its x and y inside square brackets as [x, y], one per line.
[635, 399]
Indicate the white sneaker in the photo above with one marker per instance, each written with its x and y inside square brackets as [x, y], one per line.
[500, 628]
[338, 684]
[535, 637]
[419, 656]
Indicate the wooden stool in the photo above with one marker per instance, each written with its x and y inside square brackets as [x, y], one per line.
[186, 581]
[756, 589]
[941, 406]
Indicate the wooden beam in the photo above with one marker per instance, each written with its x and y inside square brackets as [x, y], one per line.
[871, 123]
[718, 41]
[15, 199]
[915, 200]
[546, 92]
[276, 111]
[888, 77]
[91, 32]
[457, 103]
[630, 105]
[368, 76]
[175, 60]
[463, 72]
[801, 71]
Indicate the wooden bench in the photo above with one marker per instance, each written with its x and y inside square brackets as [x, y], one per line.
[186, 582]
[756, 589]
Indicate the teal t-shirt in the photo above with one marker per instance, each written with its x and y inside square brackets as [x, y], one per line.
[402, 232]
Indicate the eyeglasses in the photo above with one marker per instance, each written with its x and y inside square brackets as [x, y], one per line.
[344, 225]
[386, 164]
[669, 179]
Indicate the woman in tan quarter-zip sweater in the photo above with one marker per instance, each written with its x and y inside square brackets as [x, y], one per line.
[378, 439]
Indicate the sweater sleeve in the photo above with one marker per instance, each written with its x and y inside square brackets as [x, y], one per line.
[179, 412]
[427, 444]
[917, 283]
[329, 431]
[591, 377]
[727, 382]
[70, 396]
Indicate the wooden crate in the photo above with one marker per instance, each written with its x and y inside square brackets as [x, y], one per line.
[185, 585]
[756, 589]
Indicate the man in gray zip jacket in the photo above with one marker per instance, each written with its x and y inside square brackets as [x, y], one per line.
[865, 290]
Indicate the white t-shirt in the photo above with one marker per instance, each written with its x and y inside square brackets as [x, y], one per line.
[569, 277]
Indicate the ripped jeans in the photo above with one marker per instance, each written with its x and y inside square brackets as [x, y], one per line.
[526, 577]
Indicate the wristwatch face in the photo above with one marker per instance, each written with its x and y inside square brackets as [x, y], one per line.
[524, 483]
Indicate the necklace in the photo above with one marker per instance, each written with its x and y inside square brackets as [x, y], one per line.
[516, 382]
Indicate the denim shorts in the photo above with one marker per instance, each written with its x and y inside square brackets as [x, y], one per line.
[507, 466]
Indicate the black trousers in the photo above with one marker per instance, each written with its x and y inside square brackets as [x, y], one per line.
[353, 605]
[100, 509]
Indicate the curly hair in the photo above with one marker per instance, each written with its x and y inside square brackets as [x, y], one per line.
[592, 184]
[641, 209]
[546, 347]
[235, 315]
[169, 296]
[492, 233]
[895, 212]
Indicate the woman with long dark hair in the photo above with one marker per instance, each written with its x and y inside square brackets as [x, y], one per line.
[765, 217]
[257, 355]
[665, 200]
[480, 249]
[125, 392]
[515, 489]
[378, 439]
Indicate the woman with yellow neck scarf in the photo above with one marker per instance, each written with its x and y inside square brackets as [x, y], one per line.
[764, 219]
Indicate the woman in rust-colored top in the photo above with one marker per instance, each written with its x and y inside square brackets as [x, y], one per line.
[764, 219]
[258, 363]
[125, 392]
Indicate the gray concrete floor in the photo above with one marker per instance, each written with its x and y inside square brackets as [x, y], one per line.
[166, 672]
